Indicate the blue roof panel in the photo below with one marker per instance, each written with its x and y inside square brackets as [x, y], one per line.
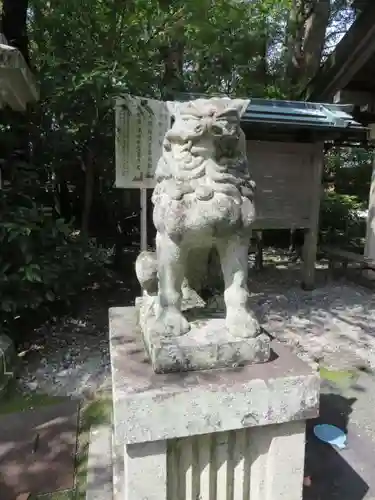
[298, 120]
[268, 119]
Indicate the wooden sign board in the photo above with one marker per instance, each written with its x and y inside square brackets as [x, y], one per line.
[283, 172]
[284, 175]
[141, 124]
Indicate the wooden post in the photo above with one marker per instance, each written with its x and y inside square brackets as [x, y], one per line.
[312, 233]
[259, 251]
[143, 219]
[370, 232]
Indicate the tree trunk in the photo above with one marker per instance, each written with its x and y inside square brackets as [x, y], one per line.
[13, 25]
[261, 70]
[172, 81]
[306, 30]
[64, 201]
[88, 166]
[172, 56]
[294, 41]
[314, 37]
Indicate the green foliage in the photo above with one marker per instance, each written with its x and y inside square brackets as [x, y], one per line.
[355, 181]
[41, 260]
[350, 170]
[340, 220]
[347, 180]
[84, 54]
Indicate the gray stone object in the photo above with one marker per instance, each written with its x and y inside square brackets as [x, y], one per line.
[224, 433]
[207, 345]
[205, 405]
[203, 199]
[99, 484]
[183, 404]
[7, 362]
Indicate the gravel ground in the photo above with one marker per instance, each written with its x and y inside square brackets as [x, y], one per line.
[334, 324]
[74, 361]
[69, 356]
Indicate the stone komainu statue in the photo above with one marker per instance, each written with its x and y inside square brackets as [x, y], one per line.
[203, 199]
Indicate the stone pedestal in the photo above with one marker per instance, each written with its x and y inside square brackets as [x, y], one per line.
[207, 345]
[8, 362]
[217, 434]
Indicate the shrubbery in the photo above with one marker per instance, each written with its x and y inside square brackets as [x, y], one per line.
[341, 222]
[42, 259]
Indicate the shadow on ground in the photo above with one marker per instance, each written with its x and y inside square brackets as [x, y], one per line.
[37, 450]
[314, 323]
[332, 477]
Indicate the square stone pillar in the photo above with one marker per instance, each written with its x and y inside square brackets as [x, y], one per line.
[214, 435]
[370, 232]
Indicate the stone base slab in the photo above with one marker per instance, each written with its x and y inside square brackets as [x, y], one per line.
[8, 362]
[99, 485]
[151, 407]
[207, 346]
[214, 426]
[262, 463]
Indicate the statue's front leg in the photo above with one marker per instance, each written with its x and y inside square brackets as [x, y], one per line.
[240, 320]
[170, 320]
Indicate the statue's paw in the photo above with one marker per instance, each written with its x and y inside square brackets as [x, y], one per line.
[242, 323]
[171, 322]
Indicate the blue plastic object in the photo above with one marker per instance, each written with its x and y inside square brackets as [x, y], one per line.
[331, 434]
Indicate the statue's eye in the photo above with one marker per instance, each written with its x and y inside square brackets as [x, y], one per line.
[216, 130]
[232, 130]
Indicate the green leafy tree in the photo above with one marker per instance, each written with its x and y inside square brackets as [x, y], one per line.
[59, 192]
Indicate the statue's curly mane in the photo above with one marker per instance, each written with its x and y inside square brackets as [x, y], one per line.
[204, 153]
[202, 199]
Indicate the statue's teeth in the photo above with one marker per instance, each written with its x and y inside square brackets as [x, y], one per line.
[204, 193]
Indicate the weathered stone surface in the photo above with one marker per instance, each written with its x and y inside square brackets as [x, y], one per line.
[203, 199]
[150, 407]
[7, 362]
[146, 271]
[145, 474]
[207, 345]
[99, 467]
[118, 465]
[18, 83]
[261, 463]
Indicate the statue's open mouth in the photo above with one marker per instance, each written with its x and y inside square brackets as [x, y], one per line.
[204, 193]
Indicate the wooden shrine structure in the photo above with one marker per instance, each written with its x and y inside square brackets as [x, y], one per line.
[285, 144]
[348, 76]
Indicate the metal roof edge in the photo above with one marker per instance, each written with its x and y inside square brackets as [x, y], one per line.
[296, 119]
